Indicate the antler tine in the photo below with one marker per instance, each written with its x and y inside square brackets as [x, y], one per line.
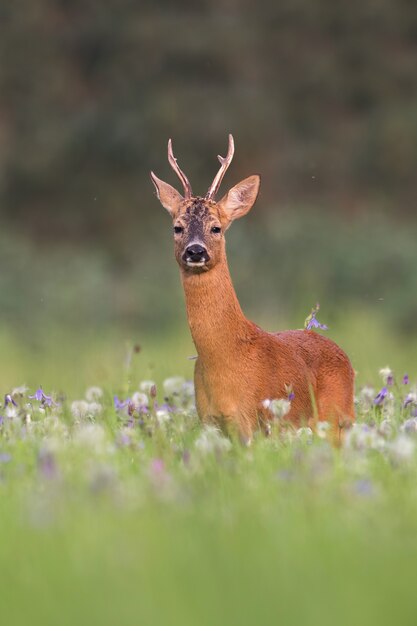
[173, 162]
[225, 162]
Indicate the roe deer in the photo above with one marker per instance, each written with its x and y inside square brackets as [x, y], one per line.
[239, 365]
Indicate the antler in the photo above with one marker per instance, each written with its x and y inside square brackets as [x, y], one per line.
[173, 163]
[225, 162]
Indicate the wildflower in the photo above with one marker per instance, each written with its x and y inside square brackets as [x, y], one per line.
[289, 392]
[8, 399]
[211, 440]
[312, 322]
[366, 396]
[401, 449]
[363, 437]
[409, 427]
[406, 379]
[157, 466]
[19, 391]
[163, 414]
[94, 394]
[279, 407]
[140, 401]
[94, 409]
[322, 429]
[79, 409]
[119, 405]
[381, 396]
[91, 436]
[387, 375]
[305, 434]
[41, 397]
[147, 386]
[47, 464]
[364, 487]
[386, 428]
[160, 479]
[173, 386]
[188, 390]
[411, 398]
[11, 411]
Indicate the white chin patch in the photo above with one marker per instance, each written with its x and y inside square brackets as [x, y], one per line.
[195, 263]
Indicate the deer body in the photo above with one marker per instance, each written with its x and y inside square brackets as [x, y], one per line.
[239, 365]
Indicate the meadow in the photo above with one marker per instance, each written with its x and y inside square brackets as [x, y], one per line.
[117, 507]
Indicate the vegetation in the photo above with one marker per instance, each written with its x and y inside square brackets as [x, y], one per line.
[320, 97]
[116, 506]
[124, 509]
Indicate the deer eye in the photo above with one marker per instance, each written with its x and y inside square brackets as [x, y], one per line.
[216, 229]
[178, 230]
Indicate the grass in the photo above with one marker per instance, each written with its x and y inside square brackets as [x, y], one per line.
[107, 518]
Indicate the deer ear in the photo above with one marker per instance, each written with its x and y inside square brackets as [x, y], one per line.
[167, 195]
[241, 198]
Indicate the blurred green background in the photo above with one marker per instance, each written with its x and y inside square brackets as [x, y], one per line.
[321, 99]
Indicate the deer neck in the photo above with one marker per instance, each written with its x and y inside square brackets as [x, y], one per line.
[214, 315]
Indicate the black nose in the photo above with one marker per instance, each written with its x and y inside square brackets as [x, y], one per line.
[196, 253]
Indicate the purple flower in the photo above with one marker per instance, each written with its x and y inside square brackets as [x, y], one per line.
[390, 379]
[379, 399]
[165, 407]
[410, 399]
[406, 379]
[291, 396]
[119, 405]
[157, 466]
[47, 464]
[40, 396]
[8, 399]
[364, 487]
[312, 322]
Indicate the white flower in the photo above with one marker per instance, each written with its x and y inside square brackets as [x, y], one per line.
[94, 394]
[19, 391]
[94, 409]
[173, 385]
[79, 409]
[305, 433]
[91, 436]
[146, 386]
[278, 408]
[11, 411]
[401, 449]
[140, 399]
[366, 398]
[411, 398]
[162, 416]
[322, 429]
[212, 440]
[188, 390]
[386, 373]
[409, 427]
[363, 437]
[386, 428]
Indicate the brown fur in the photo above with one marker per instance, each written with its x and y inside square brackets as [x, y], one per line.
[240, 365]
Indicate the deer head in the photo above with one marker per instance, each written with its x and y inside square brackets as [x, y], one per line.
[200, 222]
